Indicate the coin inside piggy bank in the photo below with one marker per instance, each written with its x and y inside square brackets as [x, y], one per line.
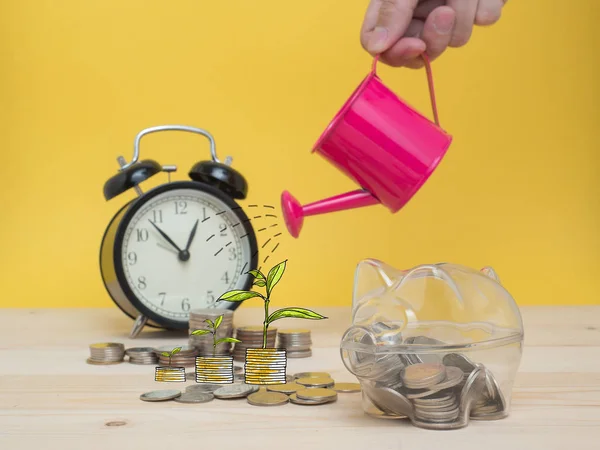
[438, 343]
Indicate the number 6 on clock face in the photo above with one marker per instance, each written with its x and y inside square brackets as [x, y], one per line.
[177, 248]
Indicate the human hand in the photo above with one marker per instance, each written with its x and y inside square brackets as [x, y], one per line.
[401, 30]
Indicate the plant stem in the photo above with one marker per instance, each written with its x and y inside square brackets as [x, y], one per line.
[265, 324]
[214, 344]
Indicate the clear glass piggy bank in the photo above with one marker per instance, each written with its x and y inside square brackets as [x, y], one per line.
[438, 344]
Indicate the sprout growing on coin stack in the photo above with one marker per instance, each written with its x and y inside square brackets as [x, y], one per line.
[214, 369]
[267, 365]
[176, 374]
[213, 327]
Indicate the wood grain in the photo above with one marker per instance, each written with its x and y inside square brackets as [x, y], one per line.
[51, 399]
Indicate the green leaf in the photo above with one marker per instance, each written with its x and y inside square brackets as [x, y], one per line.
[210, 323]
[175, 350]
[257, 274]
[165, 354]
[274, 276]
[260, 283]
[232, 340]
[239, 296]
[200, 332]
[296, 313]
[218, 321]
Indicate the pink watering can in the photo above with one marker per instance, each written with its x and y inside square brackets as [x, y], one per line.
[382, 144]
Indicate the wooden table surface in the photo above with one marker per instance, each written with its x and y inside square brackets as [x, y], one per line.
[51, 399]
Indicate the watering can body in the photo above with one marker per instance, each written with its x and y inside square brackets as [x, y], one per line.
[382, 144]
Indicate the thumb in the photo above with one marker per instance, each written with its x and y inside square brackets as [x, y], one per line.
[387, 20]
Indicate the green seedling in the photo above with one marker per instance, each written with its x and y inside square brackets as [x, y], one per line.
[213, 327]
[269, 283]
[171, 354]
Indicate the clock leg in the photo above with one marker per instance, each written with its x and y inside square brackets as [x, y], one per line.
[139, 324]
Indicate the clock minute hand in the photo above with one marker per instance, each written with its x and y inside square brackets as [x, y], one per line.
[191, 238]
[163, 234]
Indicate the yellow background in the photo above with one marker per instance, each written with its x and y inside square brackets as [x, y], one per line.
[518, 189]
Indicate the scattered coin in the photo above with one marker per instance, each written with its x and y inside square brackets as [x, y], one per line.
[317, 394]
[311, 375]
[346, 387]
[194, 397]
[160, 396]
[299, 401]
[203, 387]
[323, 382]
[287, 388]
[265, 398]
[235, 391]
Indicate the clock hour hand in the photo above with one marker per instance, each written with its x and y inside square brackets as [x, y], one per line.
[167, 238]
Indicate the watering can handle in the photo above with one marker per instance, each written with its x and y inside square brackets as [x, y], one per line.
[429, 82]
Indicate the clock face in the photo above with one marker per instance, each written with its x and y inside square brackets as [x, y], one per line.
[182, 250]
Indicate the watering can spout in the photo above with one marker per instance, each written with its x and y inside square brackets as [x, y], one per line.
[294, 212]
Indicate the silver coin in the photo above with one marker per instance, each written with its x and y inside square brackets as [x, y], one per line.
[438, 415]
[160, 396]
[235, 391]
[203, 387]
[432, 425]
[437, 400]
[300, 401]
[194, 397]
[459, 360]
[470, 391]
[389, 401]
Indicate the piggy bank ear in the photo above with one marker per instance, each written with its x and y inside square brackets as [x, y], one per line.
[491, 273]
[372, 278]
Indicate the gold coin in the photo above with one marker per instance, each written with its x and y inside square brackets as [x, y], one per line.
[423, 374]
[346, 387]
[107, 345]
[312, 375]
[316, 382]
[287, 388]
[316, 394]
[264, 398]
[298, 401]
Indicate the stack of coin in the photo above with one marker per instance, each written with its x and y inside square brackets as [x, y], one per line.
[217, 370]
[106, 353]
[252, 337]
[142, 355]
[265, 366]
[185, 358]
[296, 342]
[204, 343]
[431, 388]
[168, 374]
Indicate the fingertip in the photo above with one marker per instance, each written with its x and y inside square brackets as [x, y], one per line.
[487, 17]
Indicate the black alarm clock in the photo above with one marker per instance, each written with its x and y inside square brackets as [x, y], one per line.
[180, 245]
